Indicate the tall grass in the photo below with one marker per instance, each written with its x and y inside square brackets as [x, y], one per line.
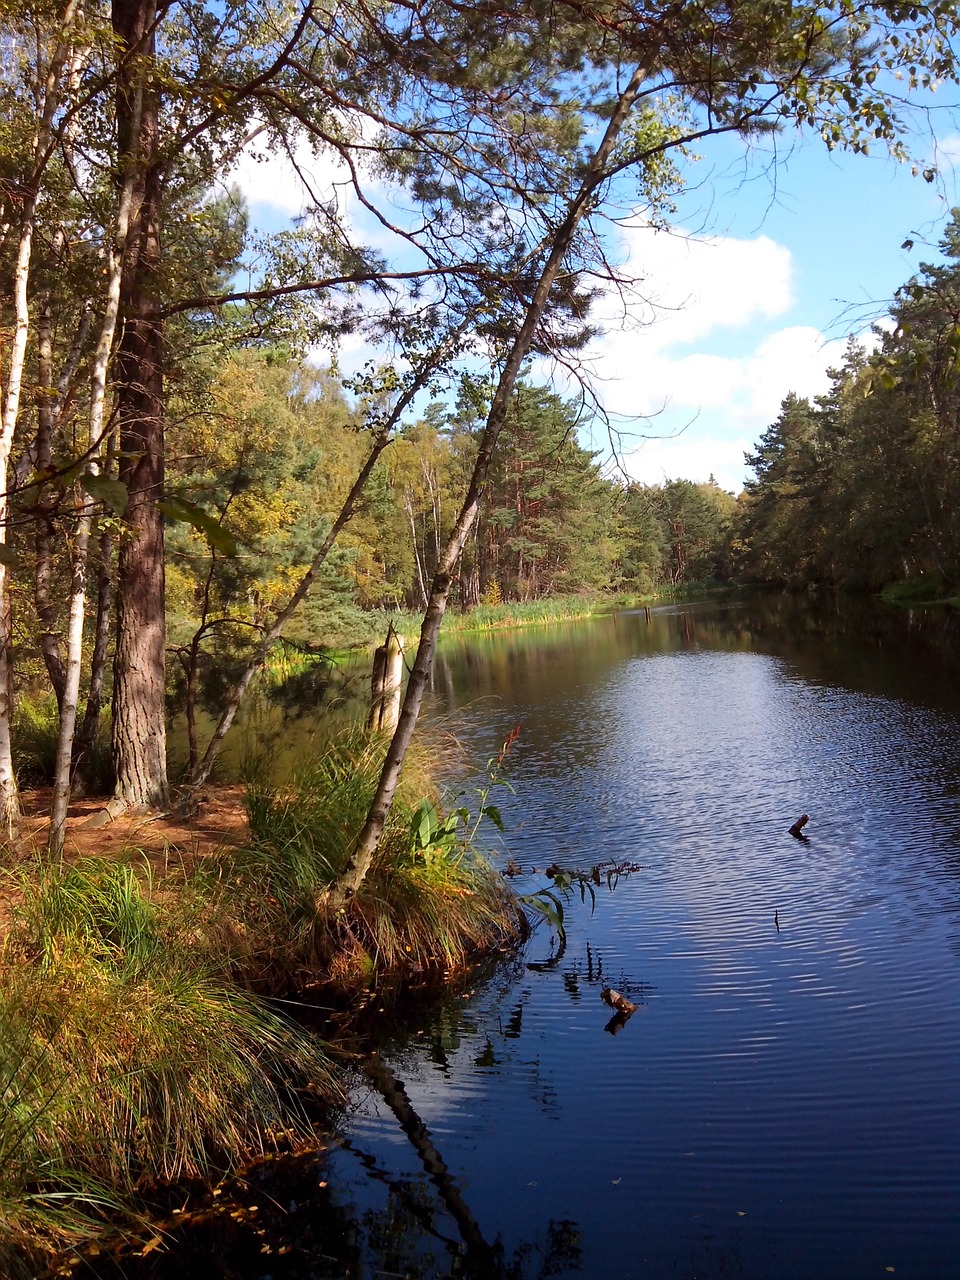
[36, 725]
[417, 910]
[132, 1046]
[43, 1202]
[126, 1059]
[489, 617]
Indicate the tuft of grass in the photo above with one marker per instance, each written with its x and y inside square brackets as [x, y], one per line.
[43, 1203]
[126, 1059]
[97, 905]
[915, 590]
[35, 728]
[36, 725]
[418, 909]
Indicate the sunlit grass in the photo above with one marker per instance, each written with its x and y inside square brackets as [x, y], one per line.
[126, 1059]
[133, 1048]
[419, 910]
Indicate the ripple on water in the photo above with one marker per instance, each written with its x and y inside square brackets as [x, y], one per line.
[786, 1100]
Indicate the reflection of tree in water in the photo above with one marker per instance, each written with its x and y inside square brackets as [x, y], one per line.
[285, 1221]
[392, 1234]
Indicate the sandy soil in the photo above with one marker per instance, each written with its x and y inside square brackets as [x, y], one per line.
[173, 842]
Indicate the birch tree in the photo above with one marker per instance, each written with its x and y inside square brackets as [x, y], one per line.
[53, 54]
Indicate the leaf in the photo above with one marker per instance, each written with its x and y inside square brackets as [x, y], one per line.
[7, 556]
[218, 539]
[493, 813]
[424, 824]
[112, 493]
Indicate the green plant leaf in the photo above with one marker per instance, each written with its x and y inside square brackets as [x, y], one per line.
[218, 539]
[493, 813]
[424, 824]
[112, 493]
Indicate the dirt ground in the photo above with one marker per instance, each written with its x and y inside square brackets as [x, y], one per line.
[216, 818]
[172, 842]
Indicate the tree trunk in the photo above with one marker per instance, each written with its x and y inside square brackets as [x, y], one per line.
[275, 630]
[418, 562]
[369, 838]
[43, 537]
[131, 195]
[86, 738]
[386, 683]
[139, 679]
[9, 798]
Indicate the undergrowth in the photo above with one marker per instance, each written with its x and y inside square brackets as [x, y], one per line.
[127, 1060]
[423, 906]
[135, 1043]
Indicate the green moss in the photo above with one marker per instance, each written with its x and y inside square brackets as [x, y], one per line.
[915, 590]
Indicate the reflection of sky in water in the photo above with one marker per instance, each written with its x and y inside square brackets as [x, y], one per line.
[783, 1103]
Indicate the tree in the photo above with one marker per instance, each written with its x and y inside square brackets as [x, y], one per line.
[503, 131]
[773, 546]
[748, 68]
[545, 527]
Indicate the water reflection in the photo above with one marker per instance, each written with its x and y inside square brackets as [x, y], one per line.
[785, 1100]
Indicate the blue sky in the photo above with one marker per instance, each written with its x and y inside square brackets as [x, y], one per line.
[770, 268]
[781, 268]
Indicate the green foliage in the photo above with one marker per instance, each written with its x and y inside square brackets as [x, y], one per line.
[913, 591]
[434, 838]
[35, 728]
[429, 903]
[861, 489]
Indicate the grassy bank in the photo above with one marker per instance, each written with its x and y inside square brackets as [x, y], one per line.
[136, 1046]
[429, 903]
[493, 617]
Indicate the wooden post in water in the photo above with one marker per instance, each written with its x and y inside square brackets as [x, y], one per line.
[385, 684]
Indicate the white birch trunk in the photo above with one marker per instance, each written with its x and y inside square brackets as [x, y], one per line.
[9, 798]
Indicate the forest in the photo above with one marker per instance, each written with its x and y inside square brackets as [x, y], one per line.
[859, 489]
[187, 478]
[196, 483]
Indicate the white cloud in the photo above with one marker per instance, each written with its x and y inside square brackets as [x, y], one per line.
[269, 179]
[717, 398]
[689, 457]
[947, 150]
[689, 287]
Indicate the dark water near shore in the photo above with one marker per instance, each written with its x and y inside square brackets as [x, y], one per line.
[786, 1100]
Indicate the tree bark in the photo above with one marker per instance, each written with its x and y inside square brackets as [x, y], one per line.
[43, 538]
[86, 738]
[139, 678]
[9, 798]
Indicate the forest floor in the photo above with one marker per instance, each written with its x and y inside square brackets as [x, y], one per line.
[174, 839]
[218, 818]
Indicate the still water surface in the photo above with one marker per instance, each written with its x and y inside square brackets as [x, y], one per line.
[785, 1103]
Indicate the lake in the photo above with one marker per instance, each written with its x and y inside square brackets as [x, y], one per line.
[785, 1101]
